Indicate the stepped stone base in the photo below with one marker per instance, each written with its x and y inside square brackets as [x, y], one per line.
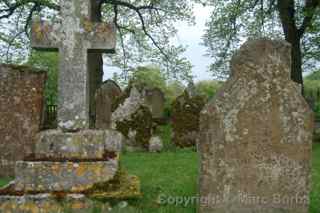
[86, 144]
[47, 203]
[66, 172]
[63, 176]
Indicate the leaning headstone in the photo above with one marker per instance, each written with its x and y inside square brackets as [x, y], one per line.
[105, 97]
[21, 98]
[133, 119]
[155, 100]
[73, 163]
[185, 119]
[256, 137]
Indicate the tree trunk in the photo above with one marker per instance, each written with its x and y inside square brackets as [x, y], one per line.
[95, 66]
[287, 15]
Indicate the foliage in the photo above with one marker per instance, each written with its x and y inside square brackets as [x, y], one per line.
[149, 76]
[144, 30]
[165, 133]
[208, 88]
[234, 21]
[47, 61]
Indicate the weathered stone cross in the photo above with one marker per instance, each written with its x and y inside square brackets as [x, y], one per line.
[74, 36]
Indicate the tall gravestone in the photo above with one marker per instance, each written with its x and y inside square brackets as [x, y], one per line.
[21, 106]
[256, 137]
[106, 97]
[155, 100]
[72, 163]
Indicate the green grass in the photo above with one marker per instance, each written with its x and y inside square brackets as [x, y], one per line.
[162, 175]
[315, 194]
[175, 174]
[4, 181]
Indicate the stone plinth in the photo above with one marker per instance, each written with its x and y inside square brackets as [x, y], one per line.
[87, 144]
[46, 203]
[63, 176]
[256, 137]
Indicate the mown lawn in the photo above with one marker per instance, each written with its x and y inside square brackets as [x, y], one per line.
[175, 174]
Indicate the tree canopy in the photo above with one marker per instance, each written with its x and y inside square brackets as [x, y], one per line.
[144, 28]
[234, 21]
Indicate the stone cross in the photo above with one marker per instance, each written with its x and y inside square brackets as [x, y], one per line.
[74, 35]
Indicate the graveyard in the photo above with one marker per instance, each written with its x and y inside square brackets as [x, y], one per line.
[232, 128]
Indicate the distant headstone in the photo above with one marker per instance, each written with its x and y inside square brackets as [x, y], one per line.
[105, 97]
[133, 119]
[256, 137]
[185, 119]
[155, 144]
[155, 100]
[22, 100]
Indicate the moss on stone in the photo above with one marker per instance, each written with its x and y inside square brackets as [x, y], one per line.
[22, 68]
[185, 118]
[122, 186]
[141, 123]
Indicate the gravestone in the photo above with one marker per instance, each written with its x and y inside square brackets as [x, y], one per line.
[155, 100]
[72, 163]
[185, 119]
[21, 98]
[133, 119]
[106, 97]
[256, 137]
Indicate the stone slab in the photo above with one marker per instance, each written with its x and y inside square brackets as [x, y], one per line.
[47, 203]
[87, 144]
[256, 137]
[62, 176]
[20, 86]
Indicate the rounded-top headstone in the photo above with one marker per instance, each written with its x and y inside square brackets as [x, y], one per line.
[105, 97]
[256, 137]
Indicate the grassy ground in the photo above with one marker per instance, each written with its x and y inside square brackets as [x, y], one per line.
[175, 174]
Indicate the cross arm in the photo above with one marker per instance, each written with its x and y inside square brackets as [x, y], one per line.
[45, 36]
[101, 36]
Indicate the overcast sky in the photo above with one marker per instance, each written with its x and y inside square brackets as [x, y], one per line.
[190, 36]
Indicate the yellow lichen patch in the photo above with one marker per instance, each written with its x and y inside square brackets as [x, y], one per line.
[122, 186]
[56, 169]
[78, 205]
[87, 25]
[81, 170]
[40, 30]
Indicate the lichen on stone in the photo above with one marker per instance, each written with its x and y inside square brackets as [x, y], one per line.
[185, 119]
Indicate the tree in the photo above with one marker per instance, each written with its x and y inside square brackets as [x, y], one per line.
[144, 30]
[149, 76]
[233, 21]
[208, 88]
[144, 27]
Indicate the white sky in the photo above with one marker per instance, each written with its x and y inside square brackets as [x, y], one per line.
[190, 36]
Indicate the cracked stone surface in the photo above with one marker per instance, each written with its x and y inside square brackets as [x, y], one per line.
[74, 35]
[256, 137]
